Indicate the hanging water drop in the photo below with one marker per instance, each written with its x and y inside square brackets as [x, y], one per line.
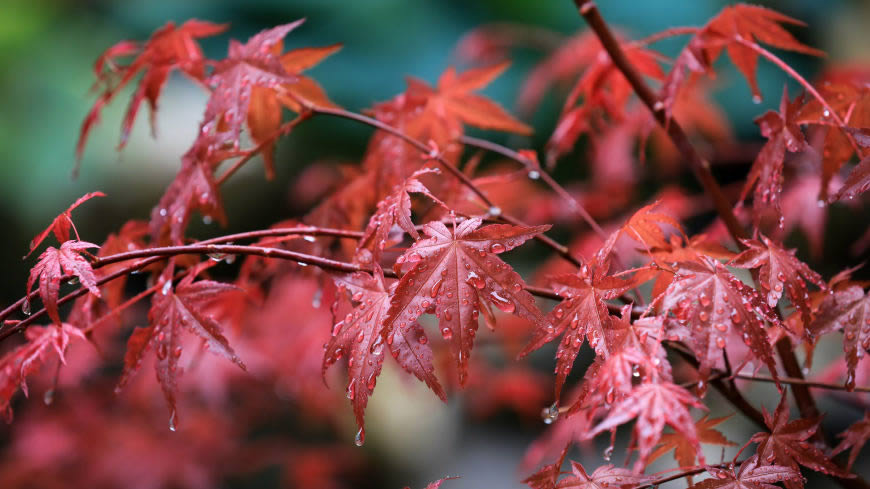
[360, 437]
[25, 307]
[608, 453]
[167, 286]
[534, 174]
[550, 414]
[173, 419]
[48, 397]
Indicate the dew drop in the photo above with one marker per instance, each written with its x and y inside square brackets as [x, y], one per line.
[25, 307]
[504, 304]
[414, 257]
[435, 288]
[534, 174]
[550, 414]
[360, 438]
[497, 248]
[494, 211]
[447, 334]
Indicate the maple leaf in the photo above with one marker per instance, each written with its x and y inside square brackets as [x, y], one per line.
[856, 183]
[264, 111]
[452, 101]
[710, 303]
[750, 475]
[684, 452]
[780, 271]
[452, 272]
[583, 313]
[604, 476]
[172, 312]
[546, 476]
[168, 48]
[645, 227]
[765, 176]
[26, 359]
[855, 438]
[194, 187]
[732, 29]
[654, 405]
[52, 264]
[247, 66]
[847, 309]
[358, 337]
[786, 444]
[61, 224]
[395, 210]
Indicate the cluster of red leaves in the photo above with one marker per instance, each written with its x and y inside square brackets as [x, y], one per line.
[406, 265]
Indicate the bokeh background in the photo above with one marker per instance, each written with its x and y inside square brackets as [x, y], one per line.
[46, 52]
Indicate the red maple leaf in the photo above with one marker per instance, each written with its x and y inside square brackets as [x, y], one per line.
[357, 336]
[654, 404]
[452, 101]
[452, 271]
[172, 312]
[765, 176]
[855, 438]
[583, 313]
[750, 475]
[168, 48]
[734, 29]
[847, 310]
[61, 224]
[246, 66]
[26, 359]
[264, 111]
[194, 187]
[53, 264]
[684, 452]
[710, 304]
[780, 271]
[546, 476]
[786, 444]
[395, 210]
[856, 183]
[604, 476]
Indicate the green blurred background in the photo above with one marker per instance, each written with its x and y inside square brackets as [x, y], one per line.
[47, 49]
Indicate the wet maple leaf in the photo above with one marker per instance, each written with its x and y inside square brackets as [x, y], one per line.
[856, 183]
[855, 438]
[750, 475]
[452, 272]
[654, 405]
[61, 224]
[787, 444]
[264, 111]
[709, 304]
[53, 264]
[684, 452]
[26, 359]
[848, 310]
[194, 188]
[732, 29]
[395, 210]
[168, 48]
[780, 271]
[546, 476]
[644, 226]
[452, 101]
[765, 176]
[583, 313]
[172, 312]
[247, 66]
[358, 337]
[603, 476]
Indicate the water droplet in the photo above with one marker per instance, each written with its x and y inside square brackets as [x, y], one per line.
[534, 174]
[826, 113]
[360, 438]
[48, 397]
[163, 212]
[436, 288]
[25, 307]
[608, 453]
[173, 419]
[497, 248]
[550, 414]
[756, 99]
[504, 304]
[167, 286]
[494, 211]
[414, 257]
[216, 256]
[476, 280]
[207, 220]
